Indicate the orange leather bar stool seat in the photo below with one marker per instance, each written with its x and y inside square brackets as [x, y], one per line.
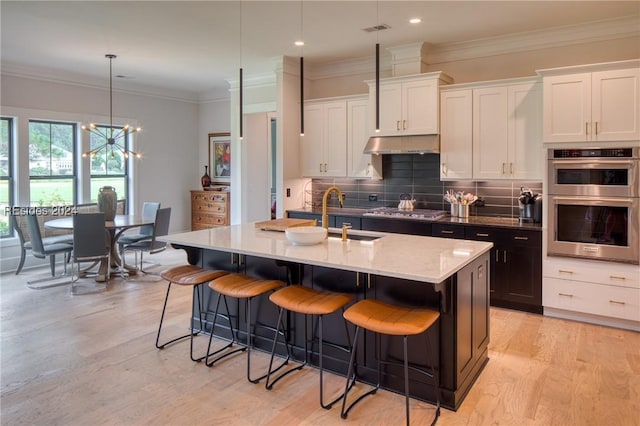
[193, 276]
[383, 318]
[307, 301]
[242, 287]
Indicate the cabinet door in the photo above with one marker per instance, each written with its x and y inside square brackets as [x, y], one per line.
[311, 145]
[524, 126]
[567, 108]
[490, 133]
[616, 105]
[360, 165]
[456, 137]
[390, 110]
[420, 107]
[335, 139]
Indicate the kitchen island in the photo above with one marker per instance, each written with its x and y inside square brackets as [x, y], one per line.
[445, 274]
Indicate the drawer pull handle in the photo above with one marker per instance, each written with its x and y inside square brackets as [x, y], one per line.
[444, 231]
[617, 302]
[481, 234]
[565, 294]
[564, 271]
[521, 238]
[615, 277]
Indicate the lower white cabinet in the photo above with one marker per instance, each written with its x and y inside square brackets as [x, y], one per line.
[605, 289]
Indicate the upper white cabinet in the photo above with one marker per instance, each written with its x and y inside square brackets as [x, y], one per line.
[592, 103]
[456, 134]
[360, 165]
[336, 132]
[408, 104]
[492, 131]
[323, 148]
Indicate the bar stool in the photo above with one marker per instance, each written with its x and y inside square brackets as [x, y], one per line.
[382, 318]
[244, 287]
[187, 275]
[307, 301]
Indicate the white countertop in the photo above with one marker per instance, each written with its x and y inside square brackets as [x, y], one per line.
[428, 259]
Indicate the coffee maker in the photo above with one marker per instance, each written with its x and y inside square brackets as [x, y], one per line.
[530, 206]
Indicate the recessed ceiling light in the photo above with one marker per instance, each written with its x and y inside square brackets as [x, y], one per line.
[415, 20]
[299, 43]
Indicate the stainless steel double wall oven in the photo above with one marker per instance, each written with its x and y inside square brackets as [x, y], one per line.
[594, 203]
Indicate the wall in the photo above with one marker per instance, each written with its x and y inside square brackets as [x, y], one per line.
[169, 141]
[418, 175]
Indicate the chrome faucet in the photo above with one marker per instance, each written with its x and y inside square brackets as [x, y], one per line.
[325, 216]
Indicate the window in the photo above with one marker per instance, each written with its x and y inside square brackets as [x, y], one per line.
[109, 167]
[52, 163]
[6, 171]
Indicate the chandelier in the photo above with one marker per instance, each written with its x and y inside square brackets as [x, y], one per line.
[114, 137]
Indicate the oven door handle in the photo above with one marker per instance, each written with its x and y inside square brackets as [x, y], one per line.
[620, 164]
[594, 200]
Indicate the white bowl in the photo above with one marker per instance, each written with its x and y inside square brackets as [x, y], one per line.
[306, 235]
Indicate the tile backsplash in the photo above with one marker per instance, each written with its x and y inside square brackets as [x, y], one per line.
[419, 176]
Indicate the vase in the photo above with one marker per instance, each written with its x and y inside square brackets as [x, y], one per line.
[205, 179]
[108, 202]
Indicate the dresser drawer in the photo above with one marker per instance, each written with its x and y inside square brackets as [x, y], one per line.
[590, 298]
[209, 196]
[208, 207]
[211, 219]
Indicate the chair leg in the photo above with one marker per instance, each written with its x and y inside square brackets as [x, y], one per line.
[269, 385]
[164, 307]
[52, 264]
[213, 326]
[23, 255]
[352, 366]
[436, 377]
[406, 377]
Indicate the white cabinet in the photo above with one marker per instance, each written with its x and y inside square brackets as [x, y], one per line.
[598, 105]
[600, 292]
[360, 165]
[491, 131]
[408, 105]
[323, 148]
[456, 134]
[506, 132]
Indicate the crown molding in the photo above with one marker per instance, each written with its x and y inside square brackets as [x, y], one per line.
[253, 82]
[609, 29]
[82, 80]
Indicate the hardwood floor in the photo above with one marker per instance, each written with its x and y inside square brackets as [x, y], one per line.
[91, 359]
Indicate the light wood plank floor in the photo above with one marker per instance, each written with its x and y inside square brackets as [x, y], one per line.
[91, 360]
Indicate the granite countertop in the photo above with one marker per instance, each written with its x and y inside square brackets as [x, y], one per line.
[426, 259]
[500, 222]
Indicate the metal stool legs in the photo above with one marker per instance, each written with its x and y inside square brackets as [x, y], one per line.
[196, 295]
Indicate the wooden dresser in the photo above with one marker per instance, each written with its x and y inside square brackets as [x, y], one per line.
[209, 209]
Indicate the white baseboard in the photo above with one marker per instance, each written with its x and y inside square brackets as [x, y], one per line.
[592, 319]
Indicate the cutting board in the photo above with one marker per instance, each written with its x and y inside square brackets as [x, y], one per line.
[284, 223]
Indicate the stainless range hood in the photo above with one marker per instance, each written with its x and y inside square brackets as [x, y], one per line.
[418, 144]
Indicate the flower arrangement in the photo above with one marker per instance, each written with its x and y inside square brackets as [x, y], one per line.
[460, 197]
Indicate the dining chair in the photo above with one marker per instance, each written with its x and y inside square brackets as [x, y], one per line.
[149, 209]
[90, 244]
[152, 245]
[41, 250]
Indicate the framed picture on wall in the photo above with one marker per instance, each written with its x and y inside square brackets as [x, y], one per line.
[220, 156]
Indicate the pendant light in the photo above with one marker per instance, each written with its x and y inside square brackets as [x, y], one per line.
[301, 44]
[241, 118]
[112, 141]
[377, 67]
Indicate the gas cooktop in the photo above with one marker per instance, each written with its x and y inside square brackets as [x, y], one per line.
[425, 214]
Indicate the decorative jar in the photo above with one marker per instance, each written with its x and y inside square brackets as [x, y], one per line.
[108, 202]
[205, 180]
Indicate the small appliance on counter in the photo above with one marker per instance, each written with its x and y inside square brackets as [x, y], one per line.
[530, 206]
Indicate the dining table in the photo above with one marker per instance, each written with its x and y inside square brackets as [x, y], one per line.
[115, 228]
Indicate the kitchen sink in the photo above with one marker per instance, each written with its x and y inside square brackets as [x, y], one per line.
[353, 236]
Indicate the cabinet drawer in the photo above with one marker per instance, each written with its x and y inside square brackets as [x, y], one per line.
[597, 299]
[220, 197]
[447, 231]
[208, 207]
[609, 273]
[508, 237]
[211, 219]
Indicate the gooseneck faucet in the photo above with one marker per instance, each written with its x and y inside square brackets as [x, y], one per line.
[325, 216]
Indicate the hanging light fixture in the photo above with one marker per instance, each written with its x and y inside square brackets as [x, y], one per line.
[114, 137]
[241, 118]
[377, 68]
[301, 44]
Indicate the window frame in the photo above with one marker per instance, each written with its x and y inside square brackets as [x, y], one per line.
[126, 142]
[11, 168]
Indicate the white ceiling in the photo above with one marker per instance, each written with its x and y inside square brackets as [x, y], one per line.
[194, 46]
